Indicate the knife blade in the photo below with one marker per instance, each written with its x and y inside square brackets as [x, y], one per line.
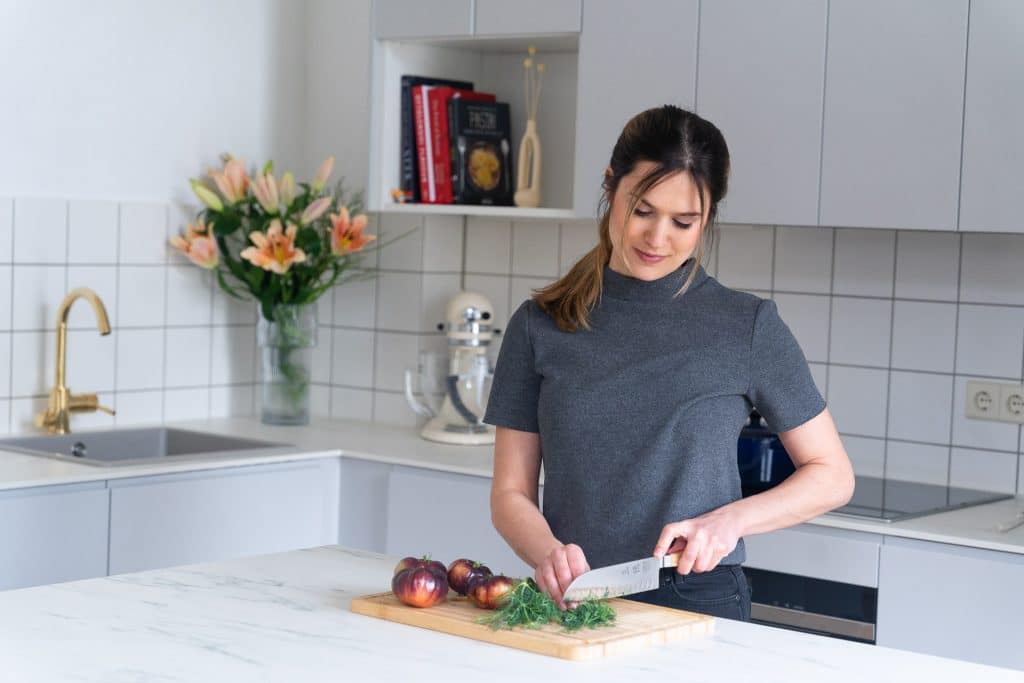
[620, 579]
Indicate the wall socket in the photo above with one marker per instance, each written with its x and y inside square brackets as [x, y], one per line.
[995, 401]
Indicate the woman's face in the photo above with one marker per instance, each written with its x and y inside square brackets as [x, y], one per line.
[664, 229]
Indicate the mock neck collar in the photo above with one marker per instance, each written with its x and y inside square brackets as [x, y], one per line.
[663, 290]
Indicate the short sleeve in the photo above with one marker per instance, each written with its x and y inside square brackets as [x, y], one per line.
[781, 386]
[516, 385]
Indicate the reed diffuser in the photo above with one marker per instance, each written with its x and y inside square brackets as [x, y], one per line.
[528, 171]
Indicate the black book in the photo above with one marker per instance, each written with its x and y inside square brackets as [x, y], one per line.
[480, 134]
[410, 174]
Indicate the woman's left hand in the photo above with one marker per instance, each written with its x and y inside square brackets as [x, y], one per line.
[704, 540]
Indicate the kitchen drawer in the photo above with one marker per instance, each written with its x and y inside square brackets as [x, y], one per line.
[833, 555]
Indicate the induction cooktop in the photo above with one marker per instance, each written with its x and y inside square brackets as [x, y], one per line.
[891, 500]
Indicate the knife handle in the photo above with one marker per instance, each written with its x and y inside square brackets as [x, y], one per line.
[671, 560]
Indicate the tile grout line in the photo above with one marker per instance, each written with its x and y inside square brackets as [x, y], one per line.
[10, 323]
[888, 372]
[828, 333]
[117, 305]
[956, 350]
[163, 377]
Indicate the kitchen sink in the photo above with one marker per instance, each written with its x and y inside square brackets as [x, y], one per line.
[134, 446]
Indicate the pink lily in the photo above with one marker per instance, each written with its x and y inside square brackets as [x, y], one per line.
[287, 188]
[274, 251]
[315, 210]
[233, 182]
[323, 173]
[198, 245]
[264, 187]
[347, 235]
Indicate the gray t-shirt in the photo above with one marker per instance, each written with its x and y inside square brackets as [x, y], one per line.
[639, 417]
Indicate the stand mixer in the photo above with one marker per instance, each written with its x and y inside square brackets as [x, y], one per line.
[458, 420]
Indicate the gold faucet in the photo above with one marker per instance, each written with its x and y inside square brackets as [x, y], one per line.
[62, 402]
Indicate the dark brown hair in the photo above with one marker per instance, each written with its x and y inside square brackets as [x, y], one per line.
[677, 141]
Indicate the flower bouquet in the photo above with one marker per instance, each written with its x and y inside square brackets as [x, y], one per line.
[282, 244]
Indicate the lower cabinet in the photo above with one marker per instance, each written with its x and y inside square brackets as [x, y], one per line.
[51, 534]
[167, 520]
[952, 601]
[363, 513]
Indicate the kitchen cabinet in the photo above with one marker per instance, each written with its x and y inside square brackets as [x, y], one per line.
[894, 87]
[993, 138]
[51, 534]
[417, 19]
[446, 516]
[623, 73]
[363, 504]
[761, 77]
[167, 520]
[500, 17]
[951, 601]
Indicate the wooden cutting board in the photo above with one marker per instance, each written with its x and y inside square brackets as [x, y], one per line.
[637, 626]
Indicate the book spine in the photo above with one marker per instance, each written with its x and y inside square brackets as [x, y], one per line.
[453, 151]
[409, 180]
[419, 94]
[441, 163]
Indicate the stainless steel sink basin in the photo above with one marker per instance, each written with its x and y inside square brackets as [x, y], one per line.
[133, 446]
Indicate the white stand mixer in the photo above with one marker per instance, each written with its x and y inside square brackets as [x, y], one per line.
[467, 384]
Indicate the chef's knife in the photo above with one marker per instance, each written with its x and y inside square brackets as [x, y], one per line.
[619, 579]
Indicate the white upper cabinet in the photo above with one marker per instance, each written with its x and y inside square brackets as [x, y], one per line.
[419, 19]
[761, 75]
[500, 17]
[993, 117]
[632, 58]
[893, 113]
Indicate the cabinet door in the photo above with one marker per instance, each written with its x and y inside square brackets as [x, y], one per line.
[761, 75]
[993, 134]
[500, 17]
[951, 601]
[622, 73]
[363, 501]
[220, 514]
[894, 86]
[447, 516]
[52, 534]
[820, 553]
[418, 19]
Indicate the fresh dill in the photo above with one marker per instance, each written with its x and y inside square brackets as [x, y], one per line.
[526, 605]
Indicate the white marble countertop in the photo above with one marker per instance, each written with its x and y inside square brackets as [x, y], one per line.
[285, 617]
[973, 527]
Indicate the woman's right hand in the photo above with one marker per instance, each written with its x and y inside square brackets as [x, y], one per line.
[558, 569]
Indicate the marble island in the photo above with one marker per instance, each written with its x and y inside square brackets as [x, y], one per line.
[285, 617]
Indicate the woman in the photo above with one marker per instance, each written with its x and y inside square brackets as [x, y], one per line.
[632, 376]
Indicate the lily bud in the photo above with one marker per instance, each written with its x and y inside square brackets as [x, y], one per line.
[206, 195]
[287, 188]
[315, 210]
[323, 173]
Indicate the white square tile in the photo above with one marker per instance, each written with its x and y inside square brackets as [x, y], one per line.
[5, 365]
[325, 307]
[353, 358]
[1020, 474]
[803, 259]
[33, 355]
[442, 244]
[90, 361]
[143, 232]
[189, 300]
[6, 232]
[186, 404]
[355, 301]
[188, 357]
[140, 359]
[577, 238]
[92, 231]
[6, 296]
[861, 331]
[38, 292]
[745, 256]
[23, 412]
[857, 399]
[438, 290]
[227, 310]
[233, 353]
[990, 341]
[917, 462]
[970, 433]
[233, 401]
[819, 373]
[866, 455]
[495, 289]
[864, 261]
[5, 416]
[140, 296]
[985, 470]
[521, 288]
[40, 230]
[320, 370]
[927, 264]
[319, 400]
[399, 297]
[919, 406]
[488, 246]
[140, 407]
[103, 281]
[391, 408]
[406, 253]
[395, 354]
[535, 248]
[351, 404]
[923, 336]
[807, 316]
[991, 270]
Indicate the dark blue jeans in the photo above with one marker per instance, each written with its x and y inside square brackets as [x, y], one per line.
[721, 592]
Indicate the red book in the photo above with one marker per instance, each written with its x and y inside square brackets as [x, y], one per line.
[439, 155]
[420, 110]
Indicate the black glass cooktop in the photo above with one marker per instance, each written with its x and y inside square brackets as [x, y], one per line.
[888, 500]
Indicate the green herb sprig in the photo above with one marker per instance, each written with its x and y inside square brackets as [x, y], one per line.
[526, 605]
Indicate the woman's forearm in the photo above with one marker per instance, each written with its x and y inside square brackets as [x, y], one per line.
[521, 524]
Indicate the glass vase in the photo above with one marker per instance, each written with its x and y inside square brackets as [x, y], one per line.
[286, 351]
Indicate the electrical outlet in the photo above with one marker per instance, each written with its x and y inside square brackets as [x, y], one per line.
[983, 400]
[1011, 403]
